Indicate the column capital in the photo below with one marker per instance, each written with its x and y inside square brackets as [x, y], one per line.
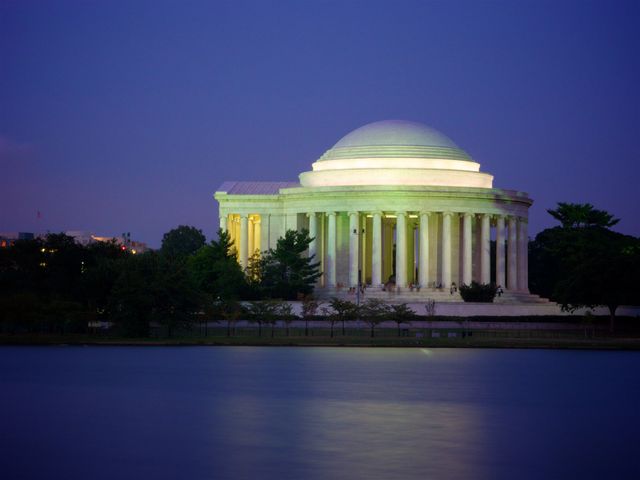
[425, 213]
[523, 219]
[352, 212]
[377, 212]
[404, 213]
[330, 214]
[468, 214]
[310, 214]
[447, 214]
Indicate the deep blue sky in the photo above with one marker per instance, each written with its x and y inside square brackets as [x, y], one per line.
[126, 116]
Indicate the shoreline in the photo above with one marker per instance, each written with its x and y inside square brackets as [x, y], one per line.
[630, 344]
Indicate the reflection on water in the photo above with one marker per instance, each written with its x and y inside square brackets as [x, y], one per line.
[317, 413]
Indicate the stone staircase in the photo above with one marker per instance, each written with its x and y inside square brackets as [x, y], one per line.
[521, 297]
[417, 296]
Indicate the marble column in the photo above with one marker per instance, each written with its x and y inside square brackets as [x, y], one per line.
[354, 238]
[466, 248]
[331, 249]
[423, 266]
[512, 266]
[485, 249]
[244, 240]
[446, 249]
[523, 254]
[223, 222]
[257, 234]
[526, 257]
[235, 236]
[376, 250]
[500, 260]
[388, 256]
[251, 237]
[265, 230]
[313, 234]
[401, 249]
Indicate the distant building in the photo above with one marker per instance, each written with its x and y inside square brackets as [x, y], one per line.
[8, 238]
[124, 240]
[82, 237]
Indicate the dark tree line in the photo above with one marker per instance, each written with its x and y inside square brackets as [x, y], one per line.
[55, 285]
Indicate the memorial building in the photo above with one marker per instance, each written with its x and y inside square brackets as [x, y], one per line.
[395, 206]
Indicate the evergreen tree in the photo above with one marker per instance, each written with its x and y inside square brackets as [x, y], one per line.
[286, 271]
[216, 271]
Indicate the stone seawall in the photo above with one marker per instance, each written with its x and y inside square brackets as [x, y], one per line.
[467, 309]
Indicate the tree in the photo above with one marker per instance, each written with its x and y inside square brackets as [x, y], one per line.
[605, 272]
[265, 312]
[230, 310]
[216, 271]
[68, 284]
[102, 266]
[20, 312]
[576, 215]
[373, 312]
[209, 312]
[132, 298]
[63, 316]
[586, 265]
[430, 307]
[154, 288]
[331, 317]
[285, 312]
[401, 314]
[253, 275]
[344, 310]
[22, 269]
[62, 266]
[176, 297]
[309, 308]
[286, 271]
[182, 241]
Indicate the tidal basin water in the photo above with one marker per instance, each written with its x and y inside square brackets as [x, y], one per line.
[317, 413]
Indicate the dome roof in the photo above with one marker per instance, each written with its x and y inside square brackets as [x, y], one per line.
[395, 132]
[395, 139]
[395, 152]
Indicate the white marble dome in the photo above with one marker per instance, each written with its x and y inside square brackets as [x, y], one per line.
[395, 132]
[396, 152]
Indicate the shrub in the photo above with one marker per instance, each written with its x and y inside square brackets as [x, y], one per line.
[478, 292]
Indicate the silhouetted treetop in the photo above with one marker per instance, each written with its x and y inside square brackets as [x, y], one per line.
[576, 215]
[182, 241]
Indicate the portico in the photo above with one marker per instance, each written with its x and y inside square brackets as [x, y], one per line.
[393, 205]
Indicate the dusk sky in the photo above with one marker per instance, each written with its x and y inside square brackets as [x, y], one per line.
[125, 116]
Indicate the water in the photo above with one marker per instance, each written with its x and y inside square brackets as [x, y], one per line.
[317, 413]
